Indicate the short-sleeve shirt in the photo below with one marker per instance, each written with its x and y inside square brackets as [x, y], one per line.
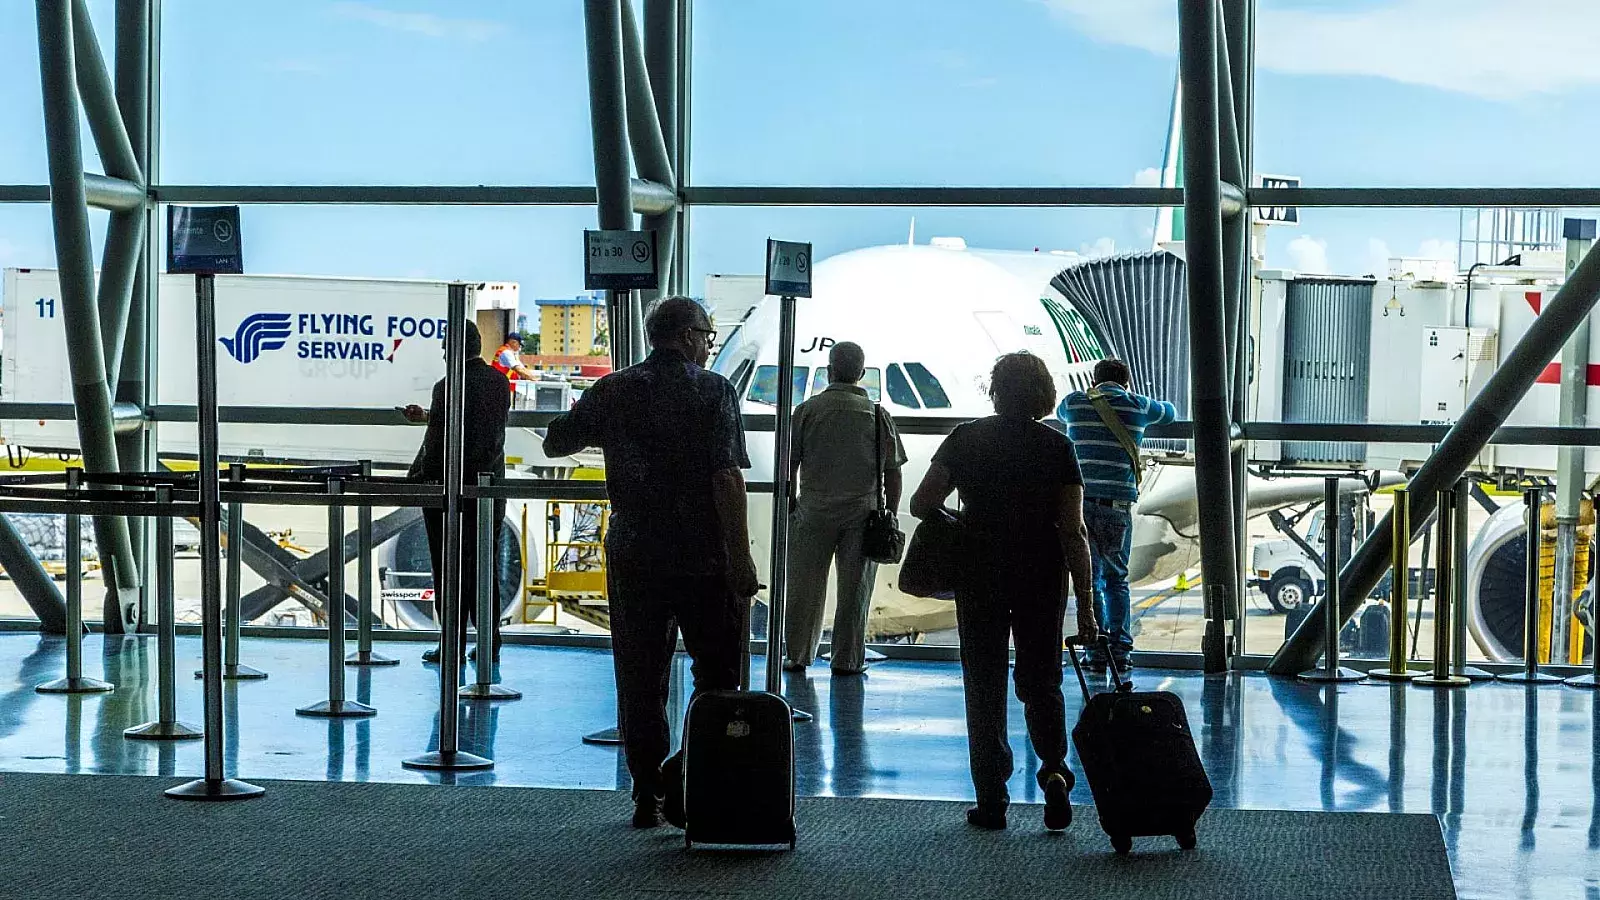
[833, 440]
[1107, 468]
[666, 427]
[1010, 471]
[509, 358]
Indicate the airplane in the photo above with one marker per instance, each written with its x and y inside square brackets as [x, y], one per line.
[932, 318]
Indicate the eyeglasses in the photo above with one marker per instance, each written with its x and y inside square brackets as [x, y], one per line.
[710, 333]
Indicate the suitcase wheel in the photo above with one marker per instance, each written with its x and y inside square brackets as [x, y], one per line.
[1122, 843]
[1187, 840]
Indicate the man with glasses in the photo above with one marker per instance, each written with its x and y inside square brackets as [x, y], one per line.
[678, 547]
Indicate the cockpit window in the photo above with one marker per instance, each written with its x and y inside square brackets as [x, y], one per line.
[764, 388]
[933, 395]
[900, 389]
[872, 380]
[729, 341]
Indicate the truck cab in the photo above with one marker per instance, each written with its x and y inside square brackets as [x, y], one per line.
[1285, 573]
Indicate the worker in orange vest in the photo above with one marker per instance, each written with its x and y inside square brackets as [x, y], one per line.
[508, 360]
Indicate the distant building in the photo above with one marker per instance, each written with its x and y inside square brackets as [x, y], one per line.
[579, 366]
[573, 326]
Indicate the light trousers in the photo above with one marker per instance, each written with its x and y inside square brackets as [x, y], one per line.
[819, 541]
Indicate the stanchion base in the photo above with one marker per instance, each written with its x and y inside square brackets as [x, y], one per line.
[609, 737]
[797, 714]
[1393, 676]
[1583, 681]
[369, 658]
[1323, 676]
[163, 731]
[477, 691]
[342, 709]
[1473, 673]
[216, 791]
[1526, 677]
[236, 673]
[80, 685]
[448, 761]
[1447, 681]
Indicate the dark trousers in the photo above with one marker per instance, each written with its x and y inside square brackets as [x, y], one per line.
[433, 522]
[646, 616]
[997, 606]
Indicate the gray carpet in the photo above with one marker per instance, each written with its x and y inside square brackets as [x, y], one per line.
[116, 836]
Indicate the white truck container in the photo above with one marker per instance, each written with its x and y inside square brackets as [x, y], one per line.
[285, 342]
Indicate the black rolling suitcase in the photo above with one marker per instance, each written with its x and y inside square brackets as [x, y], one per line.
[738, 770]
[1139, 756]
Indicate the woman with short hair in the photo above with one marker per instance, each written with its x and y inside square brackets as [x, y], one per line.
[1022, 508]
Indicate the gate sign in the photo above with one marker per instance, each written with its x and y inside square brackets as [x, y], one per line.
[788, 268]
[204, 240]
[1278, 215]
[620, 261]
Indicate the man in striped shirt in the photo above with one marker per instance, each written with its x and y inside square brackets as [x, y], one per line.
[1107, 425]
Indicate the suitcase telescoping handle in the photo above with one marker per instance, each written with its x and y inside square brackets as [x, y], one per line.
[1122, 685]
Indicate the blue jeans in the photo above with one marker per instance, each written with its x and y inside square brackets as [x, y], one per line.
[1110, 543]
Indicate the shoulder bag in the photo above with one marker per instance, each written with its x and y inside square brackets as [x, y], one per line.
[882, 541]
[935, 559]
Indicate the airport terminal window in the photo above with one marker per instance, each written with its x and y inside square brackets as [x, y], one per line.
[765, 387]
[872, 380]
[933, 395]
[900, 389]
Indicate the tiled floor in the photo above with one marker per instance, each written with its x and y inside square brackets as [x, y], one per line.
[1511, 772]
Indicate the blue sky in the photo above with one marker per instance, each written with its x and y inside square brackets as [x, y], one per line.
[1003, 92]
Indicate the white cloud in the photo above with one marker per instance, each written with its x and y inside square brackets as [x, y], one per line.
[1308, 255]
[1438, 248]
[1104, 246]
[1147, 177]
[1378, 256]
[425, 24]
[1488, 48]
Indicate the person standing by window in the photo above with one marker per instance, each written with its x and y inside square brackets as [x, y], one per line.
[1107, 426]
[843, 445]
[1022, 497]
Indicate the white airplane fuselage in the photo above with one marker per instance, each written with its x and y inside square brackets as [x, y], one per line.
[950, 312]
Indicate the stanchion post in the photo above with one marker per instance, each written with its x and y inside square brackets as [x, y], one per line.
[233, 581]
[1532, 501]
[1331, 671]
[1400, 589]
[364, 655]
[1458, 625]
[448, 757]
[215, 785]
[488, 636]
[75, 682]
[778, 593]
[336, 706]
[1446, 605]
[166, 727]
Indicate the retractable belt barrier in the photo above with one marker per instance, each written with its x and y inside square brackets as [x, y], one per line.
[166, 727]
[488, 638]
[1445, 604]
[1332, 525]
[1532, 502]
[1399, 591]
[75, 682]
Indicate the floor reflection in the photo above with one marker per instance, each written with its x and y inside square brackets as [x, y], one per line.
[899, 731]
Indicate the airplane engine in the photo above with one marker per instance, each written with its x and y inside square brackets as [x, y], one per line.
[1496, 573]
[405, 573]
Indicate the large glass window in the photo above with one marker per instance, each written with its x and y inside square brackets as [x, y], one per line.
[1473, 92]
[356, 92]
[930, 92]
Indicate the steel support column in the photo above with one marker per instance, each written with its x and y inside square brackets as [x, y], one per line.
[1233, 87]
[1208, 329]
[35, 585]
[602, 25]
[1561, 316]
[85, 353]
[135, 49]
[662, 34]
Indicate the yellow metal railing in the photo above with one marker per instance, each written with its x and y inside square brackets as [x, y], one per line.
[574, 571]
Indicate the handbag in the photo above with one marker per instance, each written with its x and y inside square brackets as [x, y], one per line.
[934, 560]
[882, 541]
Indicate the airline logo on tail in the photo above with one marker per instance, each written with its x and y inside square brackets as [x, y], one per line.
[258, 334]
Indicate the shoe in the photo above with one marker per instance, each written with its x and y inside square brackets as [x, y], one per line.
[1057, 802]
[792, 666]
[472, 655]
[1097, 666]
[1124, 664]
[987, 819]
[431, 656]
[846, 673]
[647, 813]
